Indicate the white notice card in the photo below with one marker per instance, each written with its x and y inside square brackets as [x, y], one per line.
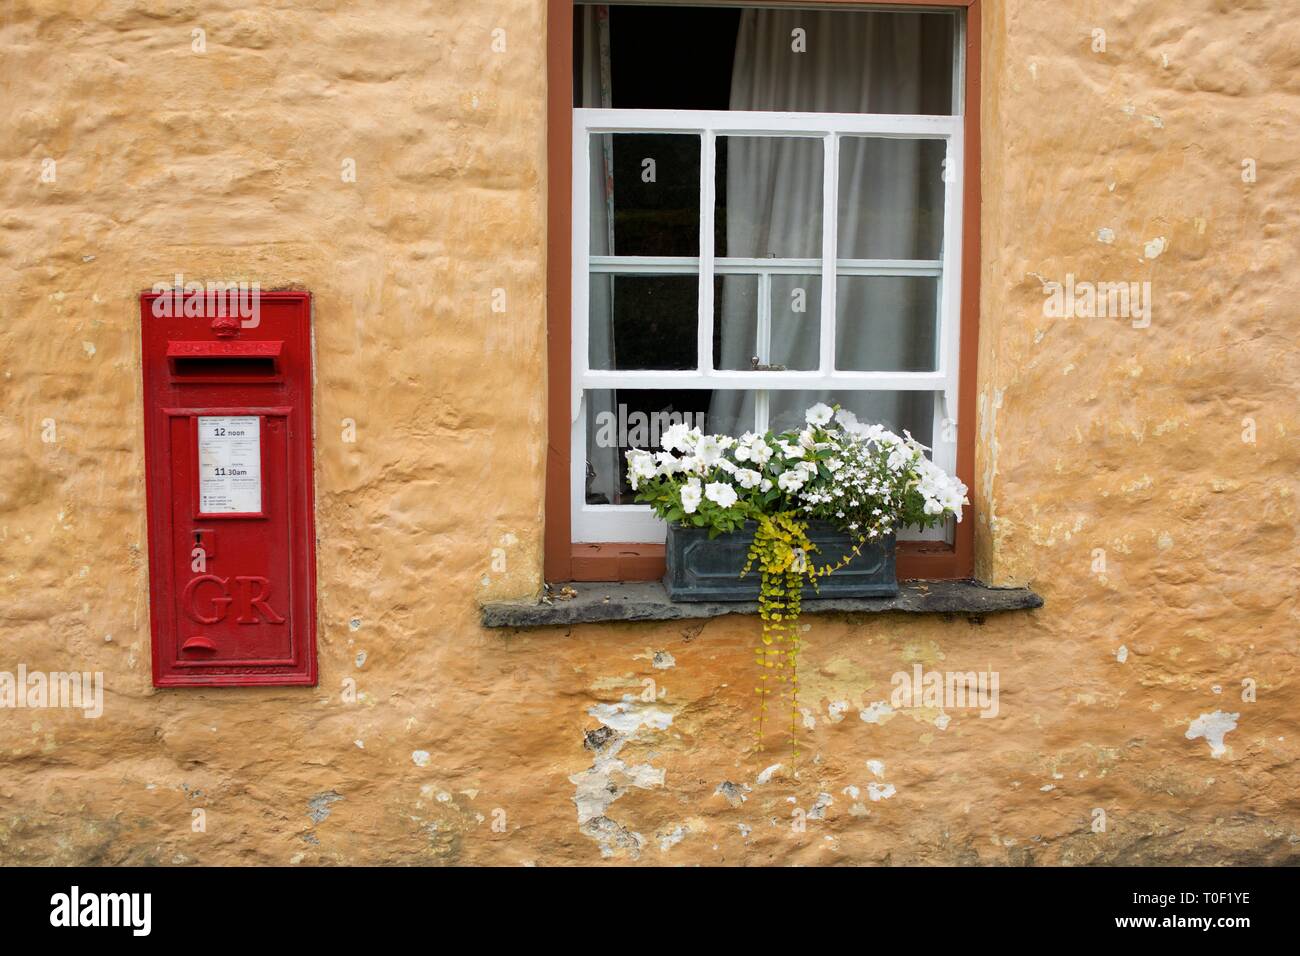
[230, 464]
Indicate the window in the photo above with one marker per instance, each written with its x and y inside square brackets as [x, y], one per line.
[766, 211]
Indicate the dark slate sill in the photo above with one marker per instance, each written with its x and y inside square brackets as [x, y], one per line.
[647, 601]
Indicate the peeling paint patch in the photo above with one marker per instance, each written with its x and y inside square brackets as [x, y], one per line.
[1105, 235]
[1121, 655]
[673, 837]
[734, 794]
[877, 768]
[876, 713]
[608, 778]
[835, 710]
[420, 758]
[877, 792]
[818, 811]
[318, 807]
[663, 660]
[627, 716]
[1212, 727]
[612, 836]
[766, 775]
[1155, 247]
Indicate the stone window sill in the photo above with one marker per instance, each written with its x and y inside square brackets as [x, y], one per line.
[647, 601]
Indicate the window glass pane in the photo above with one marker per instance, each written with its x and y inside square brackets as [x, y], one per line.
[786, 334]
[642, 321]
[897, 411]
[645, 194]
[735, 321]
[795, 318]
[619, 419]
[769, 197]
[807, 60]
[890, 198]
[886, 323]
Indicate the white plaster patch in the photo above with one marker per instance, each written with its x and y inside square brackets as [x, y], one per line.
[809, 721]
[420, 758]
[877, 768]
[745, 830]
[732, 793]
[90, 349]
[835, 710]
[1121, 655]
[1212, 727]
[627, 716]
[851, 792]
[876, 713]
[1105, 235]
[673, 837]
[942, 721]
[877, 792]
[663, 660]
[1155, 247]
[766, 775]
[818, 811]
[608, 778]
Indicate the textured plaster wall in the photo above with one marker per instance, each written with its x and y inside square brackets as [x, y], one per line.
[628, 742]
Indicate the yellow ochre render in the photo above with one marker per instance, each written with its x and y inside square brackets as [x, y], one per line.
[624, 743]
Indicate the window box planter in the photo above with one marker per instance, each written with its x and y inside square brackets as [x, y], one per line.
[700, 569]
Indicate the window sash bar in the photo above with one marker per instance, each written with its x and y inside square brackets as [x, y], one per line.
[830, 227]
[748, 380]
[667, 265]
[764, 122]
[704, 322]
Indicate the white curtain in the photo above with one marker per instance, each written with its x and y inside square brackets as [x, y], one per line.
[852, 63]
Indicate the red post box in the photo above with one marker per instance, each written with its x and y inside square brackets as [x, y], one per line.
[228, 474]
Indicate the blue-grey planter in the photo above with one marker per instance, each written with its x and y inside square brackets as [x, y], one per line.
[700, 569]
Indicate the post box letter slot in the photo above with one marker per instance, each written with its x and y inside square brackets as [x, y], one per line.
[224, 361]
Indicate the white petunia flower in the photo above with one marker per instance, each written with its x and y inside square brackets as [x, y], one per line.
[720, 493]
[674, 439]
[760, 452]
[819, 414]
[668, 463]
[791, 481]
[708, 450]
[748, 478]
[640, 465]
[691, 496]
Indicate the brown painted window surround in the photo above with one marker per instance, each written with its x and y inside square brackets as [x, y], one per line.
[566, 560]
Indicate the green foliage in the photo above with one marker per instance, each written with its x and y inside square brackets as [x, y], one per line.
[782, 550]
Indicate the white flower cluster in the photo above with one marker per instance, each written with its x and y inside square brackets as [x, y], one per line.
[863, 477]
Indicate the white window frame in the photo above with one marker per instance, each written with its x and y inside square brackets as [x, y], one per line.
[636, 523]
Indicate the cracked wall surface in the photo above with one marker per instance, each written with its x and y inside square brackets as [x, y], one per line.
[1142, 479]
